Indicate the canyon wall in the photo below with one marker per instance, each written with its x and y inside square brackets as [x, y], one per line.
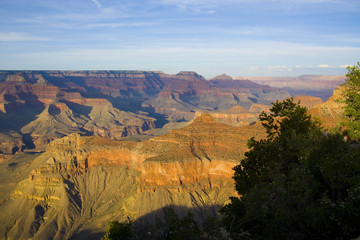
[37, 107]
[81, 182]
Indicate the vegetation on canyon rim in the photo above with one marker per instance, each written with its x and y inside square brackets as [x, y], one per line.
[352, 101]
[298, 183]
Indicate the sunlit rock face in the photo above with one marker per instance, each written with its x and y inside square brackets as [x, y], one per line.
[81, 182]
[307, 101]
[331, 112]
[42, 106]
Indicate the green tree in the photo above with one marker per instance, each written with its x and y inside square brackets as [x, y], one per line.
[118, 231]
[169, 226]
[352, 101]
[297, 183]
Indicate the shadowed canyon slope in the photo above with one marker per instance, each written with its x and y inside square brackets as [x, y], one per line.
[81, 182]
[39, 106]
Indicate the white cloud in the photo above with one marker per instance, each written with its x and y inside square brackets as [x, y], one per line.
[345, 66]
[97, 3]
[19, 37]
[323, 66]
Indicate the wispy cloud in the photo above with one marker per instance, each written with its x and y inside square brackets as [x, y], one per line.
[279, 68]
[231, 35]
[19, 37]
[97, 3]
[206, 60]
[109, 11]
[117, 25]
[345, 66]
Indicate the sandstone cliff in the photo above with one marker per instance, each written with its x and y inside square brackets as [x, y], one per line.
[307, 101]
[81, 182]
[45, 105]
[330, 112]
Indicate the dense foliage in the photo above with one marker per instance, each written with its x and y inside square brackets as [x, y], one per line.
[170, 226]
[166, 225]
[296, 184]
[118, 231]
[352, 101]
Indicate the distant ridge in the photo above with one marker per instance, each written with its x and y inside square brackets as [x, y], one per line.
[222, 77]
[313, 85]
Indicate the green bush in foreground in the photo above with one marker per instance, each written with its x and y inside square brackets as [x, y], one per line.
[118, 231]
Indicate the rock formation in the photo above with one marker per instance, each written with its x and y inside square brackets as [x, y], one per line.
[41, 106]
[331, 112]
[308, 101]
[81, 182]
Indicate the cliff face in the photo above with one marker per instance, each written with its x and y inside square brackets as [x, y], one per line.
[307, 101]
[42, 106]
[10, 142]
[331, 111]
[81, 182]
[41, 112]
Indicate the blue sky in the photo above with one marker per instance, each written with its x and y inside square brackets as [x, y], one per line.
[211, 37]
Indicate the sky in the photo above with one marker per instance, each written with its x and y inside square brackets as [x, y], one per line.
[211, 37]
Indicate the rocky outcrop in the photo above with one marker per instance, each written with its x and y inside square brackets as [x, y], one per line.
[331, 112]
[82, 182]
[16, 78]
[222, 77]
[259, 108]
[307, 101]
[236, 116]
[11, 142]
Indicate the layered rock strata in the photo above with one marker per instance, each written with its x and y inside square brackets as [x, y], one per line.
[46, 105]
[82, 182]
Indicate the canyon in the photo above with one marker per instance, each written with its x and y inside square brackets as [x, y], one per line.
[82, 148]
[80, 183]
[37, 107]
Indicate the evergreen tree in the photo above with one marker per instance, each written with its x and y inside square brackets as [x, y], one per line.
[297, 183]
[118, 231]
[352, 101]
